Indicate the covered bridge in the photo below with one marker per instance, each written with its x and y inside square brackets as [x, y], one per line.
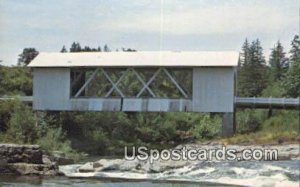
[136, 81]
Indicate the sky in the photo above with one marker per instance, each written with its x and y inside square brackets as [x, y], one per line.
[145, 25]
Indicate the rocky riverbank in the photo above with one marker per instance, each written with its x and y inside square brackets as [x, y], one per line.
[30, 160]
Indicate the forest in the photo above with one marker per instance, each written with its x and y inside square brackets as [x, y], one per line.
[104, 133]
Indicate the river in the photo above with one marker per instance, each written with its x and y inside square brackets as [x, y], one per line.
[243, 173]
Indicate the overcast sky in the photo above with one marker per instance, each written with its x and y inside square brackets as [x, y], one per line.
[145, 25]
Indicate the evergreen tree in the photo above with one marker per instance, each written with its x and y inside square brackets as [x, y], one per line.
[128, 50]
[252, 75]
[87, 49]
[75, 47]
[278, 62]
[291, 81]
[295, 51]
[63, 50]
[246, 53]
[106, 49]
[27, 56]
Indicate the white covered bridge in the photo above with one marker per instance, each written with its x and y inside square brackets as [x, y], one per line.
[137, 81]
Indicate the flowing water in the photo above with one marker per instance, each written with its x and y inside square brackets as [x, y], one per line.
[244, 173]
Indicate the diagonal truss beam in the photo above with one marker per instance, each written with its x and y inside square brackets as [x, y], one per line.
[143, 82]
[87, 82]
[175, 83]
[114, 85]
[149, 82]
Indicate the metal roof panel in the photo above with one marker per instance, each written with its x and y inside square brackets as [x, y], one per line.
[124, 59]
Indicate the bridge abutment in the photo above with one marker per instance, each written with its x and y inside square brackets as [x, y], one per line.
[228, 124]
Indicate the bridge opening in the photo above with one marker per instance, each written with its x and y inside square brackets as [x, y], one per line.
[173, 83]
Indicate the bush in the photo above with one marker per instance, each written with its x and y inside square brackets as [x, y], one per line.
[54, 139]
[26, 127]
[207, 126]
[6, 110]
[249, 120]
[283, 121]
[15, 81]
[22, 125]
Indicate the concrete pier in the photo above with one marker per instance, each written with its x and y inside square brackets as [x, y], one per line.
[228, 124]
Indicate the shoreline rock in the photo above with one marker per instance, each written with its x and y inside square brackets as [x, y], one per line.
[30, 160]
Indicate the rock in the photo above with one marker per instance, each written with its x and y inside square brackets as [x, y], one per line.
[87, 167]
[3, 162]
[69, 169]
[21, 153]
[131, 165]
[33, 169]
[97, 165]
[60, 158]
[107, 165]
[46, 159]
[25, 160]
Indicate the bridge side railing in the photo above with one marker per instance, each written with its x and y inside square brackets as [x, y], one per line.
[262, 102]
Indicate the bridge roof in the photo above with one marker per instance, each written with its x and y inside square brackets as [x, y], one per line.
[136, 59]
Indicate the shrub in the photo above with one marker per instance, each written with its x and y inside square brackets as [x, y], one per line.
[22, 125]
[249, 120]
[207, 126]
[25, 127]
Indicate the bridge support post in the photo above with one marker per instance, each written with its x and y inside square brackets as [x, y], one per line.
[228, 124]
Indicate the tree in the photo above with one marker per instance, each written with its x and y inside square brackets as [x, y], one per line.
[252, 75]
[87, 49]
[106, 49]
[128, 50]
[295, 51]
[291, 81]
[246, 53]
[63, 50]
[27, 56]
[278, 62]
[15, 81]
[75, 47]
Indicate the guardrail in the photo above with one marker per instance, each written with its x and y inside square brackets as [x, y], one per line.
[263, 102]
